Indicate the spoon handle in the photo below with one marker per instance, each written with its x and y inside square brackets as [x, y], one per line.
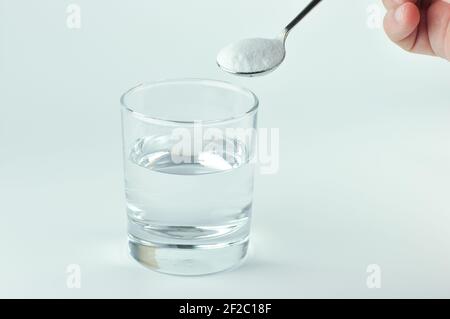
[300, 16]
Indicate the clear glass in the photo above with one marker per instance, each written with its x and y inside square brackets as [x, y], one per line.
[188, 147]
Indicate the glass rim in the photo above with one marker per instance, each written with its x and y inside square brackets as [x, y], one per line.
[207, 82]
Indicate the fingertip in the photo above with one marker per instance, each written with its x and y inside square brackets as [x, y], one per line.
[400, 22]
[407, 15]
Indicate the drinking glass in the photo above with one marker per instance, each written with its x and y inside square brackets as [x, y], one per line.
[189, 146]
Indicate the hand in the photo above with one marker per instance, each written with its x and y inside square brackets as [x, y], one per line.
[419, 26]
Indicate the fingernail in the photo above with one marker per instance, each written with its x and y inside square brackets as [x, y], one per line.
[398, 14]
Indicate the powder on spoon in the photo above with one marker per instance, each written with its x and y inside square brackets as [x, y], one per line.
[251, 55]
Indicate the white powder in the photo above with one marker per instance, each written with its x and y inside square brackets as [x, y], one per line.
[251, 55]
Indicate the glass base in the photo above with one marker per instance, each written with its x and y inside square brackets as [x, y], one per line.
[188, 260]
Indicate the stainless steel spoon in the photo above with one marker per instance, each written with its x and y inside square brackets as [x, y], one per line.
[249, 57]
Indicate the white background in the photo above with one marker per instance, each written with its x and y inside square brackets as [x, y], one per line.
[364, 149]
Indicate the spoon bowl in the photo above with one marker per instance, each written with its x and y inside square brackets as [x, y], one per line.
[258, 56]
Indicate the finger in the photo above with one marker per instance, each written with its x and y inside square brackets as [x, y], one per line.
[401, 24]
[392, 4]
[438, 18]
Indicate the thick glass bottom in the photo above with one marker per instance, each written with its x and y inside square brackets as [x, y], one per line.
[188, 260]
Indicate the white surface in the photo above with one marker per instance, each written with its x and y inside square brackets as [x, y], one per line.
[364, 157]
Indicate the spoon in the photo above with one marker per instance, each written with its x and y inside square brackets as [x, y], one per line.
[258, 56]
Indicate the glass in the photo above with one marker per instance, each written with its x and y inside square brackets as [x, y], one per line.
[188, 147]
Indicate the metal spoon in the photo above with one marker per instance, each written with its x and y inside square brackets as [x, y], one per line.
[249, 57]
